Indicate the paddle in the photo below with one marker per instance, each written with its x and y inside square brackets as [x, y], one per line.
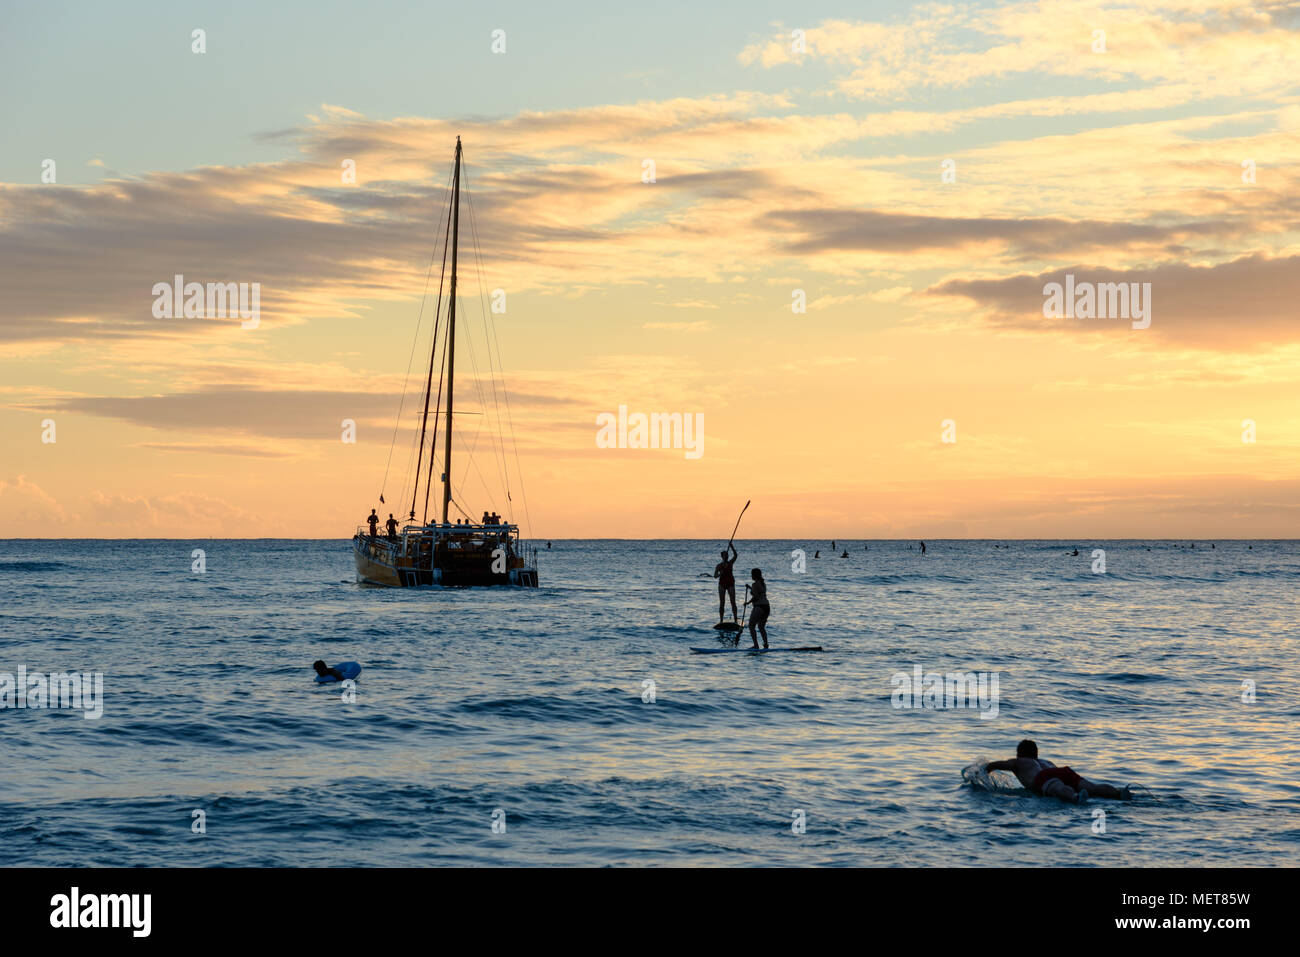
[738, 518]
[733, 535]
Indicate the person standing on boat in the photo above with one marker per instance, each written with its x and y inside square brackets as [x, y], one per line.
[391, 524]
[374, 522]
[758, 597]
[726, 582]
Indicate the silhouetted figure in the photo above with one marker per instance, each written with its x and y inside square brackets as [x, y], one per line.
[1047, 780]
[832, 544]
[374, 523]
[548, 546]
[726, 582]
[923, 548]
[1075, 552]
[324, 670]
[391, 525]
[846, 554]
[817, 554]
[758, 617]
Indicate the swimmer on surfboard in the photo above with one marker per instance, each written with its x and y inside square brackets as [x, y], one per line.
[1047, 780]
[726, 582]
[324, 670]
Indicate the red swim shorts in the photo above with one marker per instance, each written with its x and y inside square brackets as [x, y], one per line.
[1064, 775]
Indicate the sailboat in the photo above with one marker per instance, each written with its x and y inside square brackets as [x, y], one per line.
[463, 552]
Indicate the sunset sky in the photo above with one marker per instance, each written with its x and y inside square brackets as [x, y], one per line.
[775, 171]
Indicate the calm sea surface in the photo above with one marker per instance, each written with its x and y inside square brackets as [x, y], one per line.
[530, 701]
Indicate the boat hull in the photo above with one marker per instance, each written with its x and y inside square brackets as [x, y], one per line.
[378, 564]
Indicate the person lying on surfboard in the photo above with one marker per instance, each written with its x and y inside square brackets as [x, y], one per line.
[1047, 780]
[726, 582]
[323, 669]
[758, 597]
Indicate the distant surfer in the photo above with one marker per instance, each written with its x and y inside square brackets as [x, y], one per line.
[758, 617]
[391, 525]
[325, 671]
[374, 522]
[846, 554]
[817, 554]
[548, 546]
[726, 582]
[1047, 780]
[923, 548]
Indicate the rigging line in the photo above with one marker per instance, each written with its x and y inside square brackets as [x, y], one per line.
[478, 431]
[410, 359]
[473, 356]
[433, 352]
[514, 441]
[437, 418]
[469, 455]
[498, 381]
[411, 479]
[460, 489]
[478, 382]
[481, 271]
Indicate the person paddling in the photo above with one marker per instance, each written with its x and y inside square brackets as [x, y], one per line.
[1047, 780]
[726, 582]
[324, 670]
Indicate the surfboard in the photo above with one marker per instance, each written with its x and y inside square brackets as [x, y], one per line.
[348, 669]
[980, 780]
[750, 651]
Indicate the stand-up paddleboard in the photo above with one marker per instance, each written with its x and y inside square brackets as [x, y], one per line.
[348, 669]
[751, 650]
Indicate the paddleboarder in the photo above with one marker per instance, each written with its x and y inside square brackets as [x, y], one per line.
[758, 598]
[726, 582]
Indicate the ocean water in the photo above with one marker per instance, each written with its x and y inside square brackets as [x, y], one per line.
[530, 703]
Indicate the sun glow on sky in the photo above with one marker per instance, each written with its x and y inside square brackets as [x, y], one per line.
[916, 174]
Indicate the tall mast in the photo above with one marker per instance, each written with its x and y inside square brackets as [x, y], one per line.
[451, 336]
